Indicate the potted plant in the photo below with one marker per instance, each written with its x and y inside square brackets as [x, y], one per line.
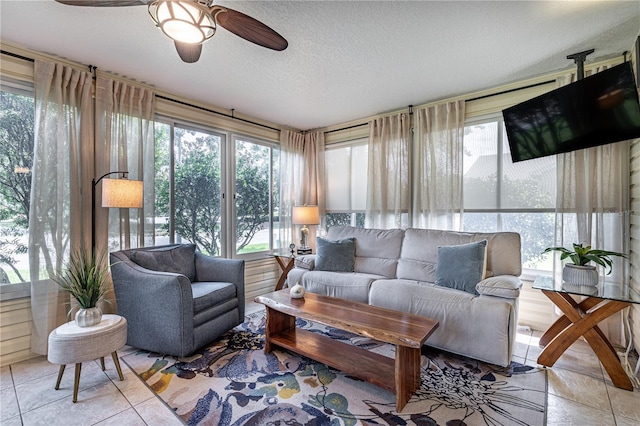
[579, 271]
[86, 279]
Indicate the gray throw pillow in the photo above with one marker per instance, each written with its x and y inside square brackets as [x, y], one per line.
[179, 260]
[461, 267]
[336, 256]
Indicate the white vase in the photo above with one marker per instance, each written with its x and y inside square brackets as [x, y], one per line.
[88, 317]
[580, 275]
[297, 291]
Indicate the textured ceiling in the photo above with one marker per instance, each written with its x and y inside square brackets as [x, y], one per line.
[345, 60]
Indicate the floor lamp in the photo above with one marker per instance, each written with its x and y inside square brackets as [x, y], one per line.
[305, 215]
[117, 193]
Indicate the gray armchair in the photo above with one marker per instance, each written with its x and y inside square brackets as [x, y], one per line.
[176, 299]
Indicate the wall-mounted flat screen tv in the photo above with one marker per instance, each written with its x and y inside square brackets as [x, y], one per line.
[595, 110]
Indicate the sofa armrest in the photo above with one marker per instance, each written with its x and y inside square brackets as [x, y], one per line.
[306, 261]
[220, 269]
[506, 286]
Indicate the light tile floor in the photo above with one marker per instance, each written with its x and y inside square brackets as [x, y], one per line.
[580, 392]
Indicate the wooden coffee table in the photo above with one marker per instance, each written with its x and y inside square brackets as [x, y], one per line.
[406, 331]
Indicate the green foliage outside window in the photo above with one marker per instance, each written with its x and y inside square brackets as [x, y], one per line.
[16, 160]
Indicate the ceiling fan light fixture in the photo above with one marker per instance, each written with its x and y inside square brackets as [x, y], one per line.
[187, 21]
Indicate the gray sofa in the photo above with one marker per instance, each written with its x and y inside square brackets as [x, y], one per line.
[176, 299]
[398, 269]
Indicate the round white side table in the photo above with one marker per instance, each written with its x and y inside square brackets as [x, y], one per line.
[70, 344]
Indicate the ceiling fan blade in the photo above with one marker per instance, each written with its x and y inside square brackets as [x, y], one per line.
[250, 29]
[189, 53]
[104, 3]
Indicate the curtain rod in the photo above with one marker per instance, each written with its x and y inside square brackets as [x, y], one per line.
[542, 83]
[466, 100]
[217, 112]
[347, 128]
[4, 52]
[15, 55]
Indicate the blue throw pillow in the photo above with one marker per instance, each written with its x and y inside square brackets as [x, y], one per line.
[336, 256]
[461, 267]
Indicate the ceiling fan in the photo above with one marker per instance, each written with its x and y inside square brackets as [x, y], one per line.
[189, 23]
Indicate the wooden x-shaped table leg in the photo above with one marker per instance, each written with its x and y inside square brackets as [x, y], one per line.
[580, 320]
[286, 264]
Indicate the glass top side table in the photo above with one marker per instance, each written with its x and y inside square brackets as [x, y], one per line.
[285, 260]
[581, 318]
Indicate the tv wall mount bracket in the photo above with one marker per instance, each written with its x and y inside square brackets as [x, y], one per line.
[579, 59]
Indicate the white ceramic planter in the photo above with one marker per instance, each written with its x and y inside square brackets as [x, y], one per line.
[88, 317]
[580, 275]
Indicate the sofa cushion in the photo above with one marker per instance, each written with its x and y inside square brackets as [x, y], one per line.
[343, 285]
[462, 266]
[377, 250]
[335, 255]
[478, 327]
[176, 259]
[420, 252]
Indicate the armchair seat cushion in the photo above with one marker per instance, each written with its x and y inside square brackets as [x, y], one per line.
[208, 294]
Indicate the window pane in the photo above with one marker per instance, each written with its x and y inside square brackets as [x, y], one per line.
[480, 166]
[516, 197]
[536, 233]
[275, 202]
[16, 160]
[345, 219]
[527, 184]
[346, 177]
[480, 222]
[198, 212]
[253, 196]
[162, 182]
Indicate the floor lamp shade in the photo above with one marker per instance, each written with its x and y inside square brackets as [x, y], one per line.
[117, 193]
[122, 193]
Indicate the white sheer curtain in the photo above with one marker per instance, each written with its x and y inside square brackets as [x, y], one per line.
[302, 180]
[59, 184]
[125, 142]
[593, 206]
[388, 186]
[438, 172]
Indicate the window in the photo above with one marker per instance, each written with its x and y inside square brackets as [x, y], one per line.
[346, 183]
[16, 159]
[502, 196]
[255, 196]
[196, 171]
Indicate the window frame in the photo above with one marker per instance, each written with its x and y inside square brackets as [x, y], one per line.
[361, 141]
[232, 224]
[227, 182]
[21, 88]
[499, 211]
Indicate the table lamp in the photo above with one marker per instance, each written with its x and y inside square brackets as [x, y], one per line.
[305, 215]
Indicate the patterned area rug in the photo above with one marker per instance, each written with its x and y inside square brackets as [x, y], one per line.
[233, 382]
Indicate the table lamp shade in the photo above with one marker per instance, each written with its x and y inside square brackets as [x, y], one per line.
[122, 193]
[305, 215]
